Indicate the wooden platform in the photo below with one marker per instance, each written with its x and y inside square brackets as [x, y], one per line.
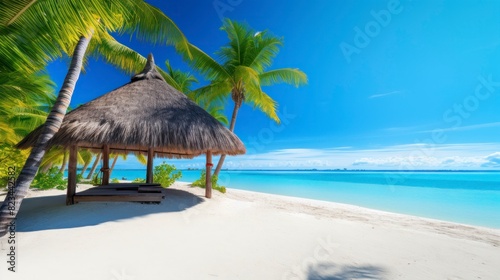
[129, 192]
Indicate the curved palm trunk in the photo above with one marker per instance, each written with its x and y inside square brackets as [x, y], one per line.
[85, 166]
[46, 168]
[231, 128]
[8, 212]
[64, 162]
[113, 165]
[94, 166]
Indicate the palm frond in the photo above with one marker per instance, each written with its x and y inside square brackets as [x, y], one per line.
[249, 77]
[36, 32]
[141, 158]
[123, 57]
[53, 156]
[19, 86]
[205, 65]
[184, 79]
[213, 92]
[86, 155]
[16, 9]
[239, 36]
[264, 103]
[263, 52]
[151, 24]
[217, 111]
[284, 75]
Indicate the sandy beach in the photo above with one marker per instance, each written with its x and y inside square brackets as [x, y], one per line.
[239, 235]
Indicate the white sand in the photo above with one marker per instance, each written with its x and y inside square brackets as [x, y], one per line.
[240, 235]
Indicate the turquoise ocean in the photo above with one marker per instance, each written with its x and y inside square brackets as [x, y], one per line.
[463, 197]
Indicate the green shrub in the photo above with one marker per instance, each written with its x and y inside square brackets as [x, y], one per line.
[115, 180]
[96, 180]
[139, 180]
[49, 180]
[166, 174]
[79, 178]
[201, 182]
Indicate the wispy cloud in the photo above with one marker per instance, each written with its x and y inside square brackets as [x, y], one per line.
[408, 156]
[385, 94]
[466, 127]
[424, 162]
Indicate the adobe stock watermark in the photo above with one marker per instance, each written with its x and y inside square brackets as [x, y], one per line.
[223, 6]
[323, 252]
[264, 137]
[454, 117]
[364, 36]
[12, 244]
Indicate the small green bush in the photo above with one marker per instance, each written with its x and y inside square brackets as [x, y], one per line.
[166, 174]
[201, 182]
[139, 180]
[96, 180]
[49, 180]
[115, 180]
[79, 178]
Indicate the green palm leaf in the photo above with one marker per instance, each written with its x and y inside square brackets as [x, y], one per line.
[213, 92]
[285, 75]
[264, 103]
[183, 79]
[206, 65]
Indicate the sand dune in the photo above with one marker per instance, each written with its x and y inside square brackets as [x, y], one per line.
[240, 235]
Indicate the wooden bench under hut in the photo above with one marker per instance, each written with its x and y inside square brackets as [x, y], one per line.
[146, 116]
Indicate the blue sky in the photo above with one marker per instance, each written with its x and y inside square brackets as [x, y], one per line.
[392, 84]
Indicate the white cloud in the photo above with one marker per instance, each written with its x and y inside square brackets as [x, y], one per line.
[423, 162]
[409, 156]
[492, 160]
[385, 94]
[463, 128]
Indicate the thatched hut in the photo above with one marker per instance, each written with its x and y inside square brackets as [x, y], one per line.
[148, 116]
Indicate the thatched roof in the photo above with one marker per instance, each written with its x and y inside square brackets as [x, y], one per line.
[147, 112]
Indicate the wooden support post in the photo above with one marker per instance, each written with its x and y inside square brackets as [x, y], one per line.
[105, 165]
[149, 172]
[70, 194]
[208, 178]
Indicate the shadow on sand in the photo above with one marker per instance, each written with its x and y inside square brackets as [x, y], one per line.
[328, 271]
[51, 212]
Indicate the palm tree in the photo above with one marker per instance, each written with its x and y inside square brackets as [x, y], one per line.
[115, 159]
[94, 166]
[59, 156]
[53, 27]
[87, 157]
[183, 80]
[242, 72]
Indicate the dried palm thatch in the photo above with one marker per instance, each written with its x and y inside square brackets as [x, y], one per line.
[147, 112]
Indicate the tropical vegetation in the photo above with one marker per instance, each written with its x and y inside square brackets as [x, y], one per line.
[241, 72]
[166, 174]
[49, 180]
[201, 182]
[35, 32]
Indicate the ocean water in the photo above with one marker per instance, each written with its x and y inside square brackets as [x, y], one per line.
[464, 197]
